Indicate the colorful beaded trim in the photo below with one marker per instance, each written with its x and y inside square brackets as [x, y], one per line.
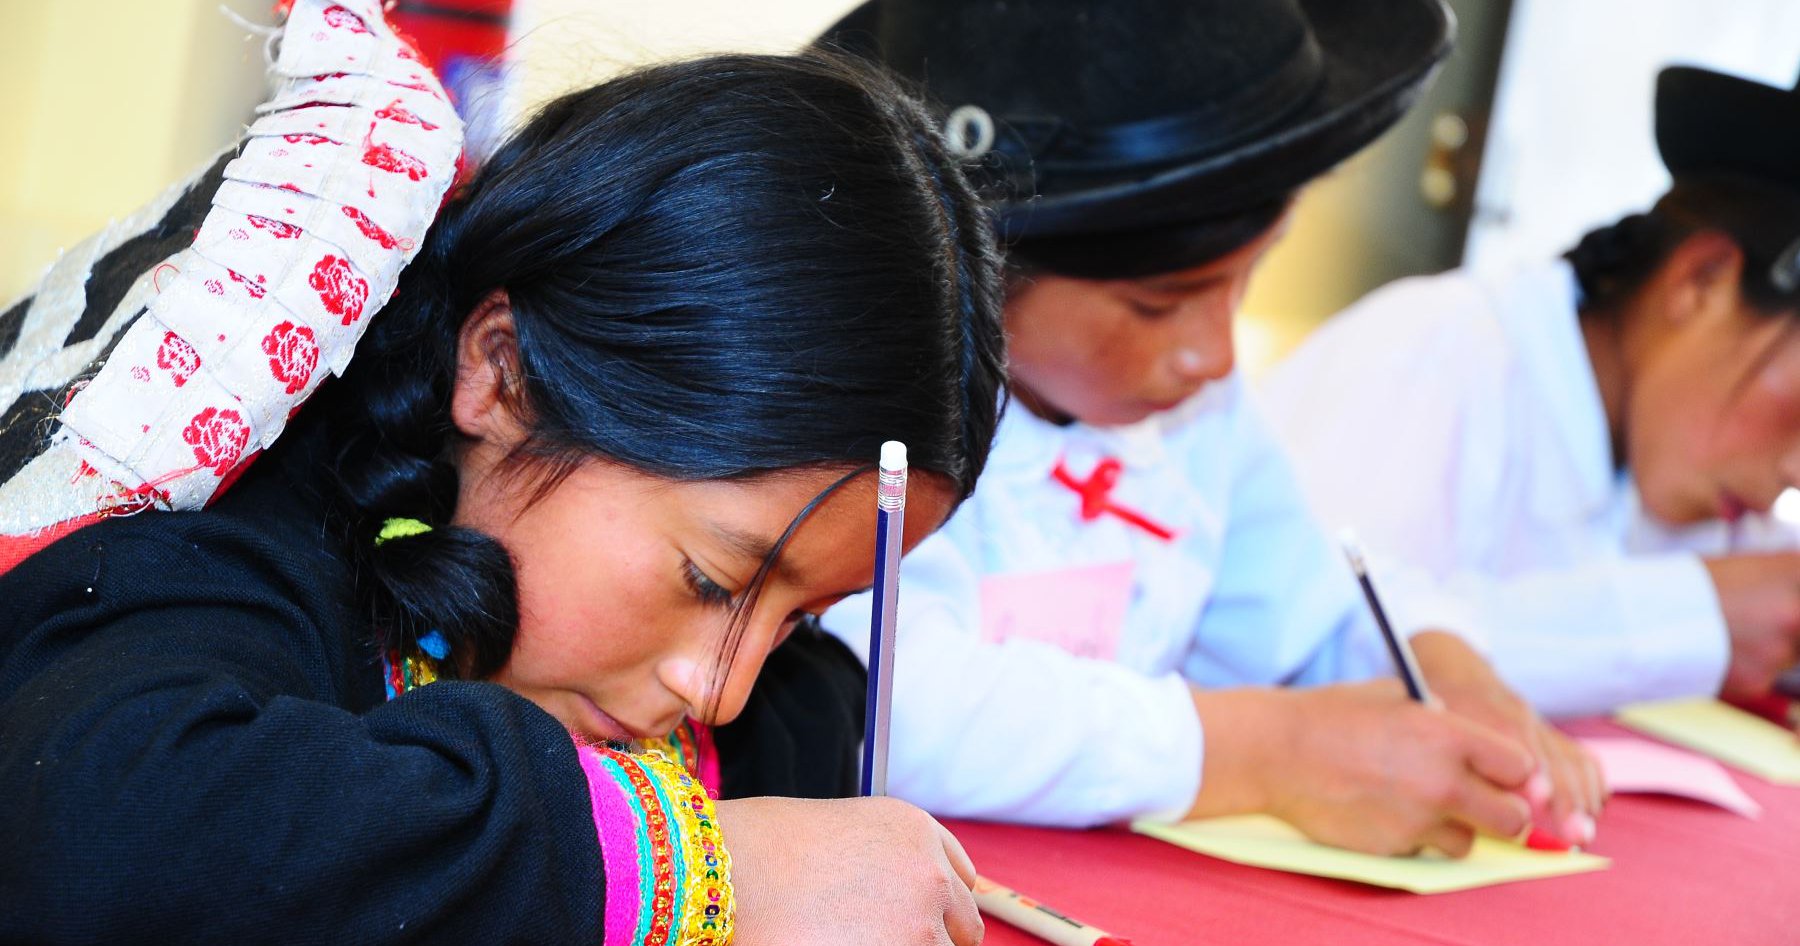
[403, 673]
[688, 900]
[691, 746]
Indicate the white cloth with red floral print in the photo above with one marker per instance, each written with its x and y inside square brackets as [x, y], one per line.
[327, 199]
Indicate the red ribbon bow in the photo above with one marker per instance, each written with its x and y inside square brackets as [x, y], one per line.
[1096, 496]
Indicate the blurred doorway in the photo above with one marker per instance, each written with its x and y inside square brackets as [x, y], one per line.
[1401, 207]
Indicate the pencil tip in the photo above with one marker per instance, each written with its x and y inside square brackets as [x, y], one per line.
[1352, 550]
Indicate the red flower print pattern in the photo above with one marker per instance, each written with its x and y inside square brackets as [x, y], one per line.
[255, 290]
[394, 161]
[306, 138]
[395, 112]
[178, 358]
[339, 18]
[218, 438]
[373, 230]
[293, 354]
[419, 86]
[276, 228]
[342, 291]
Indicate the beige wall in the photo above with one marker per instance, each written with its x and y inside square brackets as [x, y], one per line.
[563, 44]
[105, 103]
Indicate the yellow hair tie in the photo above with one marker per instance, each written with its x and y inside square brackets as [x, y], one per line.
[400, 529]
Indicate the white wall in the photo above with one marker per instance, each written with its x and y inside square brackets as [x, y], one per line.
[560, 45]
[104, 104]
[1573, 145]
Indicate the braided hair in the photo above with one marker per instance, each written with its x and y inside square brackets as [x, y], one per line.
[1614, 262]
[717, 269]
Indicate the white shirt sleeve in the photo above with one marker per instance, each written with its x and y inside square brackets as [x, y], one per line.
[1584, 640]
[1286, 607]
[1020, 731]
[1401, 428]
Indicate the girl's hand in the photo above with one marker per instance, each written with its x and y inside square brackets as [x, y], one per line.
[1362, 767]
[1759, 595]
[858, 870]
[1566, 790]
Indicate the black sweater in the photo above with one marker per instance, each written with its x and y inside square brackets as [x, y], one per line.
[194, 747]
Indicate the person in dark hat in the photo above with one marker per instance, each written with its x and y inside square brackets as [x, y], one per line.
[1108, 626]
[1593, 444]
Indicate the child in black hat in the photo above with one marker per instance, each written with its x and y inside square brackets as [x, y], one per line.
[1581, 432]
[1110, 626]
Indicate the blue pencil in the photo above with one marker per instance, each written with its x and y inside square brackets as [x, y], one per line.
[1404, 662]
[890, 528]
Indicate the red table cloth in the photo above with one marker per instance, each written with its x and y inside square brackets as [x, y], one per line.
[1682, 872]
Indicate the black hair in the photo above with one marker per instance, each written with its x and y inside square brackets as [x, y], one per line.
[1614, 262]
[1135, 254]
[717, 269]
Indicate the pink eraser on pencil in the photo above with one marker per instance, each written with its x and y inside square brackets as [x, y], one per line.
[1541, 840]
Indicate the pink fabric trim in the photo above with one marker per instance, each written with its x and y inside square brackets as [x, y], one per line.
[708, 758]
[615, 821]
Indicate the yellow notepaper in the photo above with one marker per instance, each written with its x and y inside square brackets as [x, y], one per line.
[1726, 733]
[1263, 841]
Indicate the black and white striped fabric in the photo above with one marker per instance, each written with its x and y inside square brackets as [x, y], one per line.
[58, 336]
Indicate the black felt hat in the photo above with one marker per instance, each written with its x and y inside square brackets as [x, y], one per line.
[1710, 122]
[1120, 116]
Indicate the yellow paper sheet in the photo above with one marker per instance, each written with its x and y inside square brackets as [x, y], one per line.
[1728, 734]
[1263, 841]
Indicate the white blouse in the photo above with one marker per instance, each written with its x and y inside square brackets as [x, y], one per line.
[1455, 422]
[1044, 658]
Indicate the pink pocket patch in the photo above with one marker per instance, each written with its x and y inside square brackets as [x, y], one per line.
[1081, 610]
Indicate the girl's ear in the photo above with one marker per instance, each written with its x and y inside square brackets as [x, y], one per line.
[483, 404]
[1699, 277]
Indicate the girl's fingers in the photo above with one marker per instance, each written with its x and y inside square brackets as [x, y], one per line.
[1453, 839]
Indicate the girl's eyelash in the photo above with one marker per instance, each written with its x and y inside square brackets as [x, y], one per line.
[707, 590]
[1150, 310]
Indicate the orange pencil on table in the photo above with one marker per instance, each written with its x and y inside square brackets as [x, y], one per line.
[1060, 929]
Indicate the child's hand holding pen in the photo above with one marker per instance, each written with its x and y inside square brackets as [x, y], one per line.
[1360, 766]
[1567, 789]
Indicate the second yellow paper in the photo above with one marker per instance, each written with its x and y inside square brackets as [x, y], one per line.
[1263, 841]
[1730, 735]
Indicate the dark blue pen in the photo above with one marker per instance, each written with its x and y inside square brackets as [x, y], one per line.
[1398, 648]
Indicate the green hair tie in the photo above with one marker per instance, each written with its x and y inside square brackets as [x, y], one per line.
[400, 529]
